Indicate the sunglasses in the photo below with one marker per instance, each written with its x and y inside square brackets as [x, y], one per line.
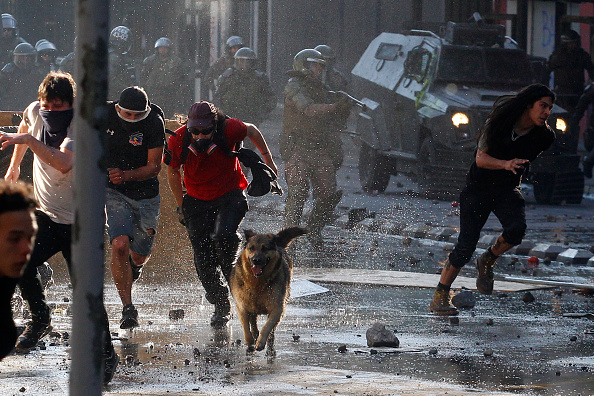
[205, 132]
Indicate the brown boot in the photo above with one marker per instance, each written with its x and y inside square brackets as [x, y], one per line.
[484, 266]
[440, 305]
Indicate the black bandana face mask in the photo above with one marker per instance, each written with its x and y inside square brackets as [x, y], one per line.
[56, 120]
[55, 126]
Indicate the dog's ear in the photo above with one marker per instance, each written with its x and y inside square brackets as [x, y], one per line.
[248, 234]
[286, 236]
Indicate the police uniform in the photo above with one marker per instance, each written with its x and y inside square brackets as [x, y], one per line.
[311, 148]
[246, 95]
[165, 81]
[19, 86]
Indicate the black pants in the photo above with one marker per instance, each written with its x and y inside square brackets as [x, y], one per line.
[475, 208]
[51, 238]
[212, 228]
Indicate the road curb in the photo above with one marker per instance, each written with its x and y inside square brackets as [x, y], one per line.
[568, 256]
[554, 252]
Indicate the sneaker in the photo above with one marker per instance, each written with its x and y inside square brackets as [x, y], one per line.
[129, 317]
[31, 335]
[484, 266]
[111, 362]
[136, 271]
[440, 305]
[221, 315]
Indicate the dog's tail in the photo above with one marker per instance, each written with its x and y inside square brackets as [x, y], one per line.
[286, 236]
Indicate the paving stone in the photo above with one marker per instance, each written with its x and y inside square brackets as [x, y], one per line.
[575, 256]
[417, 230]
[441, 233]
[523, 249]
[542, 250]
[487, 240]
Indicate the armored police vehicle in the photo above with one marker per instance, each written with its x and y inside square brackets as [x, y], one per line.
[427, 97]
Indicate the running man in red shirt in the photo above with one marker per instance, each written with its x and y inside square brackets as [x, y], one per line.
[215, 202]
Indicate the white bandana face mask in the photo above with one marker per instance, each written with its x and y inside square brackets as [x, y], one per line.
[133, 111]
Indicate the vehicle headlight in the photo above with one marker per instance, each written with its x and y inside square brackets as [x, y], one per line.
[561, 125]
[459, 119]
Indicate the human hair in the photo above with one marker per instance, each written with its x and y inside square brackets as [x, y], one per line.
[16, 196]
[57, 85]
[508, 109]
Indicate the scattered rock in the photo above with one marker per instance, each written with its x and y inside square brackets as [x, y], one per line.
[66, 299]
[176, 314]
[573, 338]
[342, 348]
[465, 300]
[489, 322]
[373, 351]
[488, 352]
[378, 336]
[546, 261]
[187, 362]
[406, 242]
[454, 320]
[196, 353]
[23, 389]
[296, 337]
[433, 351]
[528, 297]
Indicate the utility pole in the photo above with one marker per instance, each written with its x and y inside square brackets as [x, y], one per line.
[92, 22]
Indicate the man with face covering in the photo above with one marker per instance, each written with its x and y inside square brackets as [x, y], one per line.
[215, 202]
[46, 130]
[134, 148]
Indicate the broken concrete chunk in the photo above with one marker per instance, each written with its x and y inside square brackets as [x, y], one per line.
[465, 300]
[176, 314]
[378, 336]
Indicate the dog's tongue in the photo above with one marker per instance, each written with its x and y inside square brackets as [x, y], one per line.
[256, 270]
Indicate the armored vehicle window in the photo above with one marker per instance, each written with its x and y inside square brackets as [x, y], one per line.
[508, 66]
[482, 65]
[417, 63]
[387, 51]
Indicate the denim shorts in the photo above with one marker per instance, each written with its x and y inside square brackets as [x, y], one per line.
[133, 218]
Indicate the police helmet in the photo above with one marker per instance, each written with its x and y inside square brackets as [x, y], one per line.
[8, 22]
[45, 47]
[245, 58]
[120, 38]
[326, 51]
[163, 42]
[233, 41]
[570, 36]
[24, 55]
[304, 58]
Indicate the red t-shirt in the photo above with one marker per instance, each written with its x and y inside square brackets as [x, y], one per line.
[209, 176]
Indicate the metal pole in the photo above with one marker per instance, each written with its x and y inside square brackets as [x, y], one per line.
[92, 21]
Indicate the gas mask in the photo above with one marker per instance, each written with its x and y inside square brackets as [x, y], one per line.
[202, 145]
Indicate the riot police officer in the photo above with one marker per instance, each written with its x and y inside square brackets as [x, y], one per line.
[232, 45]
[335, 79]
[244, 92]
[165, 78]
[20, 79]
[568, 63]
[310, 143]
[586, 99]
[46, 56]
[9, 39]
[121, 67]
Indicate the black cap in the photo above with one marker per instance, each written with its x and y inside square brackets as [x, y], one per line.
[134, 99]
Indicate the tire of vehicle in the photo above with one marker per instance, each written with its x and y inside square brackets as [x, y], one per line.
[373, 172]
[556, 188]
[433, 182]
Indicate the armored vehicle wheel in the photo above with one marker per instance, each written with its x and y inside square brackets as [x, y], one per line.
[374, 174]
[434, 182]
[555, 188]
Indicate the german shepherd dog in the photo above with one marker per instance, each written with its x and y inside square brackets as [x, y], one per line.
[260, 282]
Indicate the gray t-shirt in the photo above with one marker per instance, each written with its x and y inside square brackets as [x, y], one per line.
[53, 189]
